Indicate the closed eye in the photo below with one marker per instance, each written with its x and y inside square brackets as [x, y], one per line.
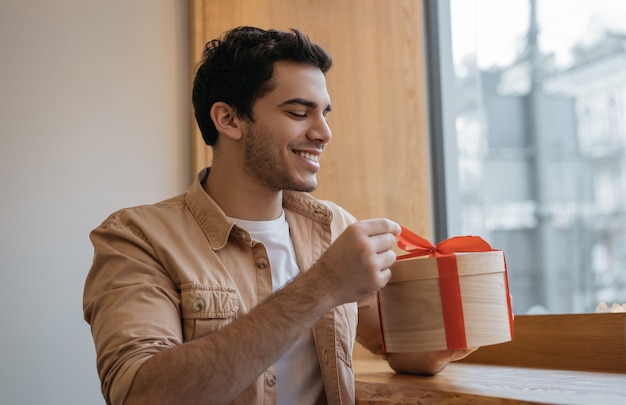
[296, 114]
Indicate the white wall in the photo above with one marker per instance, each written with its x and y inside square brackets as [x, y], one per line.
[94, 116]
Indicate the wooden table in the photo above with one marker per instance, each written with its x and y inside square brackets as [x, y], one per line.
[467, 383]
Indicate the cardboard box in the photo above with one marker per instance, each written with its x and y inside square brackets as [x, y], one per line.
[446, 301]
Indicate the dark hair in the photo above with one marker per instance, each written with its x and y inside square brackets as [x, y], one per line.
[237, 70]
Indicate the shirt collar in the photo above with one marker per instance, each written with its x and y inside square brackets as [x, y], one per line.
[216, 225]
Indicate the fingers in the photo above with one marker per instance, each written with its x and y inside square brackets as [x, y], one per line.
[385, 259]
[359, 259]
[378, 226]
[381, 237]
[381, 233]
[384, 277]
[455, 354]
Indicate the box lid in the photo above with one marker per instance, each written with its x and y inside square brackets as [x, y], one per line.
[468, 264]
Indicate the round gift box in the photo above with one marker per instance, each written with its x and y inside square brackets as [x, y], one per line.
[420, 312]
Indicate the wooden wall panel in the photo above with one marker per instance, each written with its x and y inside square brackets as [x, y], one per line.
[377, 163]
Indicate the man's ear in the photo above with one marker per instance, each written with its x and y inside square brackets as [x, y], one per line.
[226, 121]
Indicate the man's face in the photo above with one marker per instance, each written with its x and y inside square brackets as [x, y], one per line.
[289, 132]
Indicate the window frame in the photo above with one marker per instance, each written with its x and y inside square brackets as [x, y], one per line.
[440, 112]
[586, 342]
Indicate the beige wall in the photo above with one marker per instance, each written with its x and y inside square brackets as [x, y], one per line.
[93, 117]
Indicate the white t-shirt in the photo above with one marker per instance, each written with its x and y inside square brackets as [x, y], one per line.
[298, 372]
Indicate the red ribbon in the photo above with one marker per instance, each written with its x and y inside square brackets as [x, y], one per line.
[449, 284]
[418, 246]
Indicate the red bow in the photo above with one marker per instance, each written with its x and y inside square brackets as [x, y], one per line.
[418, 246]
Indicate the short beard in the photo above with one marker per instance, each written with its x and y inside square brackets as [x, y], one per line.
[261, 162]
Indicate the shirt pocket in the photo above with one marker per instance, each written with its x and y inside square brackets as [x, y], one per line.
[206, 309]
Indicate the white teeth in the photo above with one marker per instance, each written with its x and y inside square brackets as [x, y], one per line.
[309, 156]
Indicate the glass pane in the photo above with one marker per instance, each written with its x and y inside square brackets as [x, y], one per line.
[541, 138]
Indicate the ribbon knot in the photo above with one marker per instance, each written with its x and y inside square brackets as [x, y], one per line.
[416, 246]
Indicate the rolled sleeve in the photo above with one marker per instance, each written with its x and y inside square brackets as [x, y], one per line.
[131, 304]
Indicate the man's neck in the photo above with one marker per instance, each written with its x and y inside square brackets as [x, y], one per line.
[240, 196]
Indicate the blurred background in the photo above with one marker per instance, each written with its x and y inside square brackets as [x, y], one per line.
[539, 107]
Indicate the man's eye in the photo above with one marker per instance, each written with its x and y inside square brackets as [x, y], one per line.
[297, 114]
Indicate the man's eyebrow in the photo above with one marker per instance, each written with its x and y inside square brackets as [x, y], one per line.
[304, 102]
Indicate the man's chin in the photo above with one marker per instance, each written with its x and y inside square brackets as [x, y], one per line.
[305, 186]
[306, 189]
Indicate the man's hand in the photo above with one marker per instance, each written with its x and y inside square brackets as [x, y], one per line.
[426, 363]
[357, 264]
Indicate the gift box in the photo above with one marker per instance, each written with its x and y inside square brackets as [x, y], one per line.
[453, 295]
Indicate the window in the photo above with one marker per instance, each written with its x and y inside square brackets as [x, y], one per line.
[528, 99]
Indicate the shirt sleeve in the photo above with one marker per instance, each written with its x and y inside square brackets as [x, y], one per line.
[131, 304]
[369, 333]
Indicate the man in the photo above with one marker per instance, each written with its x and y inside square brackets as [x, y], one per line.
[244, 288]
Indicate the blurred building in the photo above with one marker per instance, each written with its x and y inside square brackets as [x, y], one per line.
[543, 172]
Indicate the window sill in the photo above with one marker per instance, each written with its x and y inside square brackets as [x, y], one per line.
[552, 359]
[581, 342]
[462, 383]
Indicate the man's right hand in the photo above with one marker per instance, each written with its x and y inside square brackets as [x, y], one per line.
[357, 264]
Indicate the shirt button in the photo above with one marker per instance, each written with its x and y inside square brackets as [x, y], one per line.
[270, 379]
[242, 235]
[261, 263]
[198, 305]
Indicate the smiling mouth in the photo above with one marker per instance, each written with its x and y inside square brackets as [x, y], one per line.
[309, 156]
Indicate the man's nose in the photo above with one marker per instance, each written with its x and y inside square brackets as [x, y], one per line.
[320, 131]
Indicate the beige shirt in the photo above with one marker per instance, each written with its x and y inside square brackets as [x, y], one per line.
[178, 270]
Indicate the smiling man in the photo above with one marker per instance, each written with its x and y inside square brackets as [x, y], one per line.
[245, 289]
